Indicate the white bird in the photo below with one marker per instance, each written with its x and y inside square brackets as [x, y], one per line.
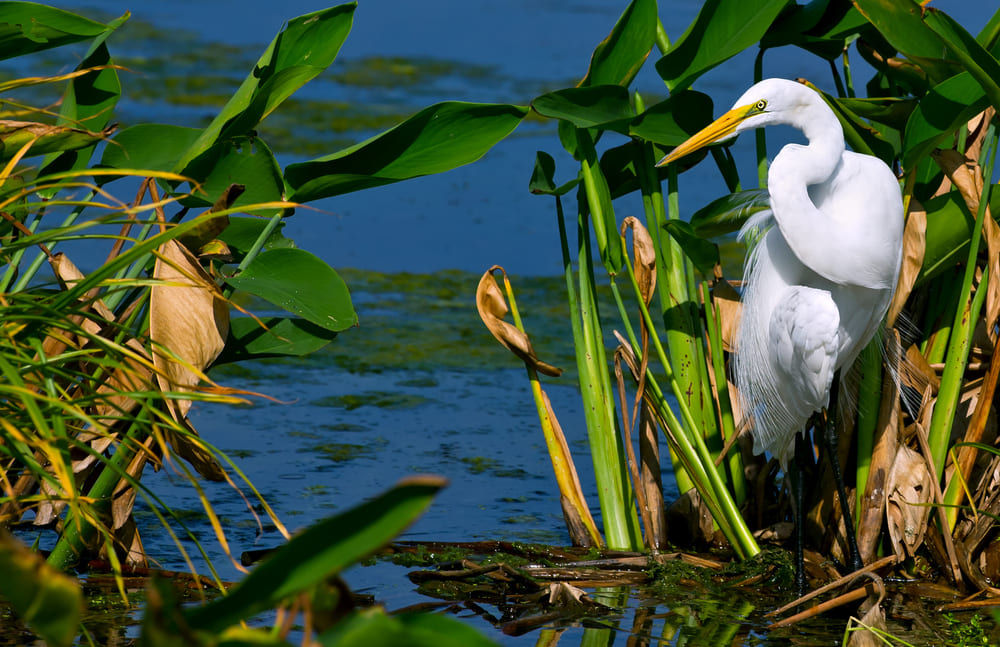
[818, 283]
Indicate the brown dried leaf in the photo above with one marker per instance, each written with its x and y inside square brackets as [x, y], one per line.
[909, 493]
[886, 445]
[645, 257]
[188, 322]
[727, 302]
[914, 245]
[492, 309]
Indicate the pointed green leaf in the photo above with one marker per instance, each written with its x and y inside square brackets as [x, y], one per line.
[543, 177]
[944, 109]
[704, 254]
[154, 147]
[319, 552]
[302, 284]
[723, 29]
[28, 27]
[977, 61]
[278, 336]
[618, 58]
[303, 49]
[241, 160]
[436, 139]
[822, 28]
[672, 121]
[900, 22]
[597, 106]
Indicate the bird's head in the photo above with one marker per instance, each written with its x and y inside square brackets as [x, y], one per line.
[768, 102]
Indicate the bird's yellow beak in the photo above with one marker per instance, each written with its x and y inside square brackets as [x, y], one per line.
[718, 130]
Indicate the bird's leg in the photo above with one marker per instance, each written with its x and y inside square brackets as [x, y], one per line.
[832, 441]
[803, 452]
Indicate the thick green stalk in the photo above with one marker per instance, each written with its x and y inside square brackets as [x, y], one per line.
[760, 137]
[965, 319]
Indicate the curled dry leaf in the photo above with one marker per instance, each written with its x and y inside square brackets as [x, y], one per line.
[914, 245]
[909, 493]
[645, 257]
[492, 309]
[188, 322]
[727, 302]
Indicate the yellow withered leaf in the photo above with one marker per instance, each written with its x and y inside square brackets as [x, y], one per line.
[914, 245]
[492, 309]
[188, 322]
[645, 257]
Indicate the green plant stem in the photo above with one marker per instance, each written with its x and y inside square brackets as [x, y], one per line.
[965, 318]
[759, 135]
[869, 398]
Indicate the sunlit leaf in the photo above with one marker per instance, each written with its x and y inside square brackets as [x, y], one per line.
[243, 160]
[604, 106]
[900, 22]
[617, 58]
[301, 283]
[822, 28]
[320, 551]
[44, 138]
[303, 49]
[977, 61]
[272, 337]
[723, 29]
[28, 27]
[156, 147]
[673, 120]
[436, 139]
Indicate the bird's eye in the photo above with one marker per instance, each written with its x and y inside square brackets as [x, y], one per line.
[760, 105]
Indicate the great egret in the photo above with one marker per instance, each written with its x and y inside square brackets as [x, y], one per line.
[817, 285]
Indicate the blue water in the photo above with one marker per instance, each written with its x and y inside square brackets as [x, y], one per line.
[468, 416]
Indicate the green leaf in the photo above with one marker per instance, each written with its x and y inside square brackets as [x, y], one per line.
[319, 552]
[243, 231]
[597, 106]
[618, 58]
[723, 29]
[282, 336]
[822, 28]
[543, 177]
[302, 284]
[860, 135]
[728, 213]
[704, 254]
[45, 599]
[949, 231]
[374, 628]
[899, 21]
[27, 27]
[977, 61]
[306, 47]
[241, 160]
[436, 139]
[45, 138]
[153, 147]
[940, 113]
[672, 121]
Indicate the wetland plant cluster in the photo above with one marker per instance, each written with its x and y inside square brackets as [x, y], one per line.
[100, 366]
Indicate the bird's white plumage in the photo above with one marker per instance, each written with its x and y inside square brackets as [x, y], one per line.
[818, 283]
[822, 265]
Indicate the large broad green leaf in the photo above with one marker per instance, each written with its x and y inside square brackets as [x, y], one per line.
[45, 599]
[319, 552]
[597, 106]
[27, 27]
[949, 231]
[823, 28]
[306, 47]
[242, 233]
[153, 147]
[375, 628]
[302, 284]
[272, 337]
[436, 139]
[901, 23]
[617, 58]
[945, 108]
[722, 29]
[977, 61]
[241, 160]
[859, 134]
[672, 121]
